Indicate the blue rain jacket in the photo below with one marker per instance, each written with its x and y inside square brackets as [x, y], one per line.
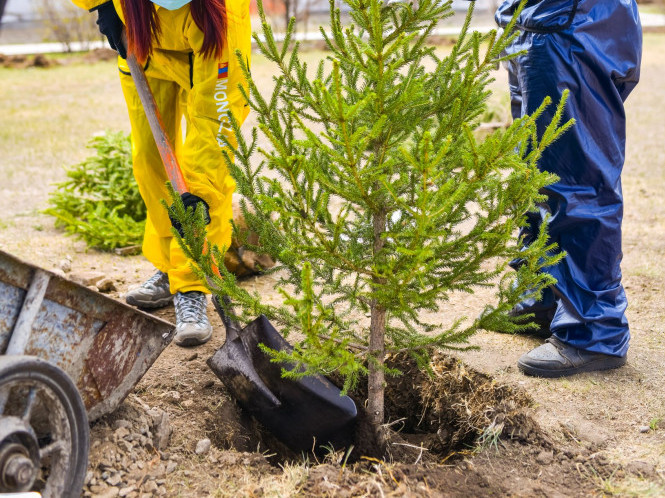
[593, 48]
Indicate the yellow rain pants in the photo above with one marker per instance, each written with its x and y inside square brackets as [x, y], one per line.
[204, 91]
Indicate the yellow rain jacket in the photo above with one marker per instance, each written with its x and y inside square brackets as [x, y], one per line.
[204, 91]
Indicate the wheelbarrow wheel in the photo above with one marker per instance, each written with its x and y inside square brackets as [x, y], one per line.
[44, 432]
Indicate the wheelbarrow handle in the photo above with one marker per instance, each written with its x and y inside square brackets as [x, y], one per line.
[232, 326]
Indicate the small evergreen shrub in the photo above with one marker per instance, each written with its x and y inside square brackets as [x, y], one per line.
[100, 201]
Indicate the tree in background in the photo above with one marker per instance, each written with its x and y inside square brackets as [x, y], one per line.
[285, 10]
[66, 23]
[379, 200]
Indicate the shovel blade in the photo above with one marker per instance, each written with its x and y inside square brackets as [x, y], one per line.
[304, 413]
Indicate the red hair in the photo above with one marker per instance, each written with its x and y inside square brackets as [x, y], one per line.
[143, 25]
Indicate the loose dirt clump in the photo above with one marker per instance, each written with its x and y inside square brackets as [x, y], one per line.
[433, 415]
[100, 54]
[44, 62]
[23, 62]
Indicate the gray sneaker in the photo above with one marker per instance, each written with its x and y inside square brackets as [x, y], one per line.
[192, 327]
[558, 359]
[154, 293]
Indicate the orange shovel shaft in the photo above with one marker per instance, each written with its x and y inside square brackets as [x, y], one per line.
[164, 146]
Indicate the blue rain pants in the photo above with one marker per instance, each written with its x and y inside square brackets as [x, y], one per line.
[592, 48]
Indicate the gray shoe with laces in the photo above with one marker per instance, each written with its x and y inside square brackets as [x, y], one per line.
[558, 359]
[192, 326]
[154, 293]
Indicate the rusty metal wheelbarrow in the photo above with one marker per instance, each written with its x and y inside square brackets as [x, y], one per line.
[70, 355]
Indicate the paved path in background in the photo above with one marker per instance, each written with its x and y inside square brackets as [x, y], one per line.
[48, 48]
[648, 21]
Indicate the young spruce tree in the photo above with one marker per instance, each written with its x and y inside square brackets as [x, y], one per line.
[380, 200]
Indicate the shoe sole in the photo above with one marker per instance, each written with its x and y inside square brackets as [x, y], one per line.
[188, 342]
[149, 305]
[601, 364]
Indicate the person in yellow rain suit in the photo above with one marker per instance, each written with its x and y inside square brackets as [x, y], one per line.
[188, 49]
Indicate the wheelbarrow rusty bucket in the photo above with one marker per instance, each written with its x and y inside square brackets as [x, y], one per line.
[68, 352]
[308, 413]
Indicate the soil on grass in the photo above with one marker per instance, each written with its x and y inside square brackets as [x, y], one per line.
[599, 433]
[24, 62]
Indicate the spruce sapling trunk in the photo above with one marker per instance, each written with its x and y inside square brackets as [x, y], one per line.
[377, 333]
[376, 197]
[376, 378]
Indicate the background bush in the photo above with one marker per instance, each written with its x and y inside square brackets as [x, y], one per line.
[100, 201]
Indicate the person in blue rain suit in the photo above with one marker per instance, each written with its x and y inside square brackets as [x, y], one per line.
[592, 48]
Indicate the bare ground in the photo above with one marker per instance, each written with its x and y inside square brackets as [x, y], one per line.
[597, 433]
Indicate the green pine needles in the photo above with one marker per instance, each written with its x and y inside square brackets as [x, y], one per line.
[377, 199]
[100, 201]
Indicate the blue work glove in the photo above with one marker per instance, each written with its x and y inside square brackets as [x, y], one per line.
[111, 26]
[190, 200]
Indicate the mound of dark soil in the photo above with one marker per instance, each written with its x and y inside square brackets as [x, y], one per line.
[447, 410]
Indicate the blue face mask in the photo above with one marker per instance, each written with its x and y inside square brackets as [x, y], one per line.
[171, 4]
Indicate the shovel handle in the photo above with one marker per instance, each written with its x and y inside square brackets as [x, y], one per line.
[154, 117]
[232, 327]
